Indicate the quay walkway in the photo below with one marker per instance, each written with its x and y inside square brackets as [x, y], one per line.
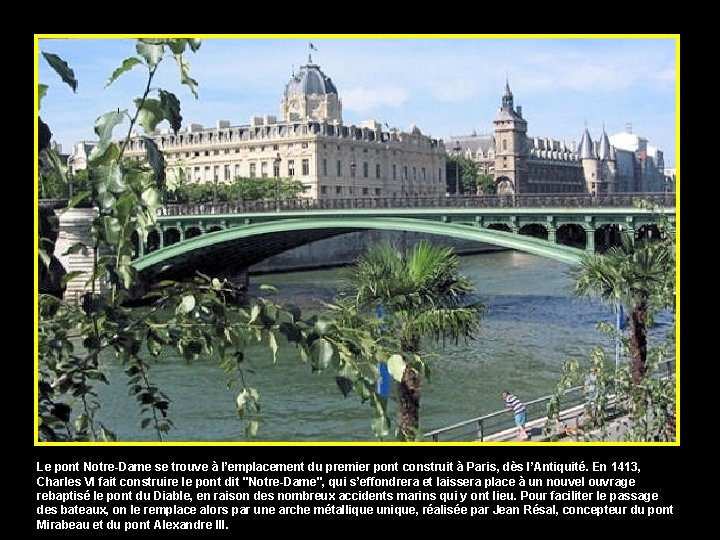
[499, 426]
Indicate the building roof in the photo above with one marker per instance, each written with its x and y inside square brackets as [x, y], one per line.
[585, 150]
[310, 80]
[604, 149]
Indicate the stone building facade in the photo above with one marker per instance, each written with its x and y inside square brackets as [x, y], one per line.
[524, 164]
[311, 143]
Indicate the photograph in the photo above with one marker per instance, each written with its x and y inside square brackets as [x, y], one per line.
[362, 239]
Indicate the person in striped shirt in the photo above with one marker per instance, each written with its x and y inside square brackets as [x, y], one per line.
[520, 411]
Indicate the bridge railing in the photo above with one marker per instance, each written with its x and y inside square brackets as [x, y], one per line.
[481, 427]
[565, 200]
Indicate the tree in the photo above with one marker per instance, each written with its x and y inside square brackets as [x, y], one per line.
[422, 296]
[639, 275]
[468, 171]
[195, 318]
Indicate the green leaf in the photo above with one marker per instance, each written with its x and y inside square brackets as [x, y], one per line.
[104, 153]
[187, 304]
[269, 288]
[381, 426]
[77, 247]
[112, 229]
[151, 197]
[61, 68]
[254, 312]
[185, 77]
[273, 345]
[194, 44]
[150, 114]
[105, 124]
[251, 428]
[107, 435]
[156, 160]
[71, 275]
[170, 106]
[396, 367]
[145, 423]
[115, 181]
[126, 66]
[322, 353]
[177, 46]
[77, 199]
[151, 52]
[42, 90]
[81, 422]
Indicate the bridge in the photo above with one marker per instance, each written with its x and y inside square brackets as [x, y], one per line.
[225, 239]
[213, 238]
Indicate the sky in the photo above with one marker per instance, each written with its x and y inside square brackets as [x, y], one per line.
[446, 86]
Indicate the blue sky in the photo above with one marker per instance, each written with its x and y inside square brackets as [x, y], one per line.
[445, 86]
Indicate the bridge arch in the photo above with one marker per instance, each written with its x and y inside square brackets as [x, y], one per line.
[571, 234]
[535, 230]
[236, 242]
[171, 236]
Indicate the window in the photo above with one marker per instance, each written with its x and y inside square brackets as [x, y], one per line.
[339, 168]
[304, 145]
[377, 170]
[504, 144]
[264, 169]
[290, 145]
[405, 176]
[276, 147]
[216, 173]
[394, 172]
[227, 151]
[207, 152]
[251, 149]
[305, 167]
[262, 148]
[414, 173]
[207, 174]
[365, 169]
[276, 168]
[338, 190]
[216, 152]
[364, 191]
[197, 154]
[237, 150]
[440, 174]
[226, 174]
[197, 173]
[422, 172]
[291, 167]
[187, 154]
[324, 167]
[253, 170]
[323, 190]
[237, 170]
[377, 191]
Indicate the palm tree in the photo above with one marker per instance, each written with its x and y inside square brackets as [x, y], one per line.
[422, 296]
[639, 275]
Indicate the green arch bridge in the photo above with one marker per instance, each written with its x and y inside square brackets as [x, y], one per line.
[217, 238]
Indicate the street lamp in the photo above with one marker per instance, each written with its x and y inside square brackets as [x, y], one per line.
[352, 175]
[456, 149]
[276, 167]
[276, 171]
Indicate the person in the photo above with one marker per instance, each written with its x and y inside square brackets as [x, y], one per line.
[520, 411]
[590, 387]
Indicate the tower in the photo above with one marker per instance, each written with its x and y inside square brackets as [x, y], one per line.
[590, 163]
[510, 143]
[310, 94]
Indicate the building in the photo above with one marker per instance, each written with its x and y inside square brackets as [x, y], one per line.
[524, 164]
[311, 143]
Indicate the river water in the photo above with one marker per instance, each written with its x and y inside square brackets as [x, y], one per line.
[532, 325]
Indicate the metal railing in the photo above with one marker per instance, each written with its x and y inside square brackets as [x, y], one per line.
[562, 200]
[481, 427]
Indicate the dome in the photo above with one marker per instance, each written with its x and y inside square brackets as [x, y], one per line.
[310, 80]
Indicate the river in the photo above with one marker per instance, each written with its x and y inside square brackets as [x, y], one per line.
[532, 325]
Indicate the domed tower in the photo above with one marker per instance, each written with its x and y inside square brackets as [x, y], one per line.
[510, 143]
[310, 94]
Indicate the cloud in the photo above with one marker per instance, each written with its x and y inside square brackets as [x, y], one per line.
[364, 99]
